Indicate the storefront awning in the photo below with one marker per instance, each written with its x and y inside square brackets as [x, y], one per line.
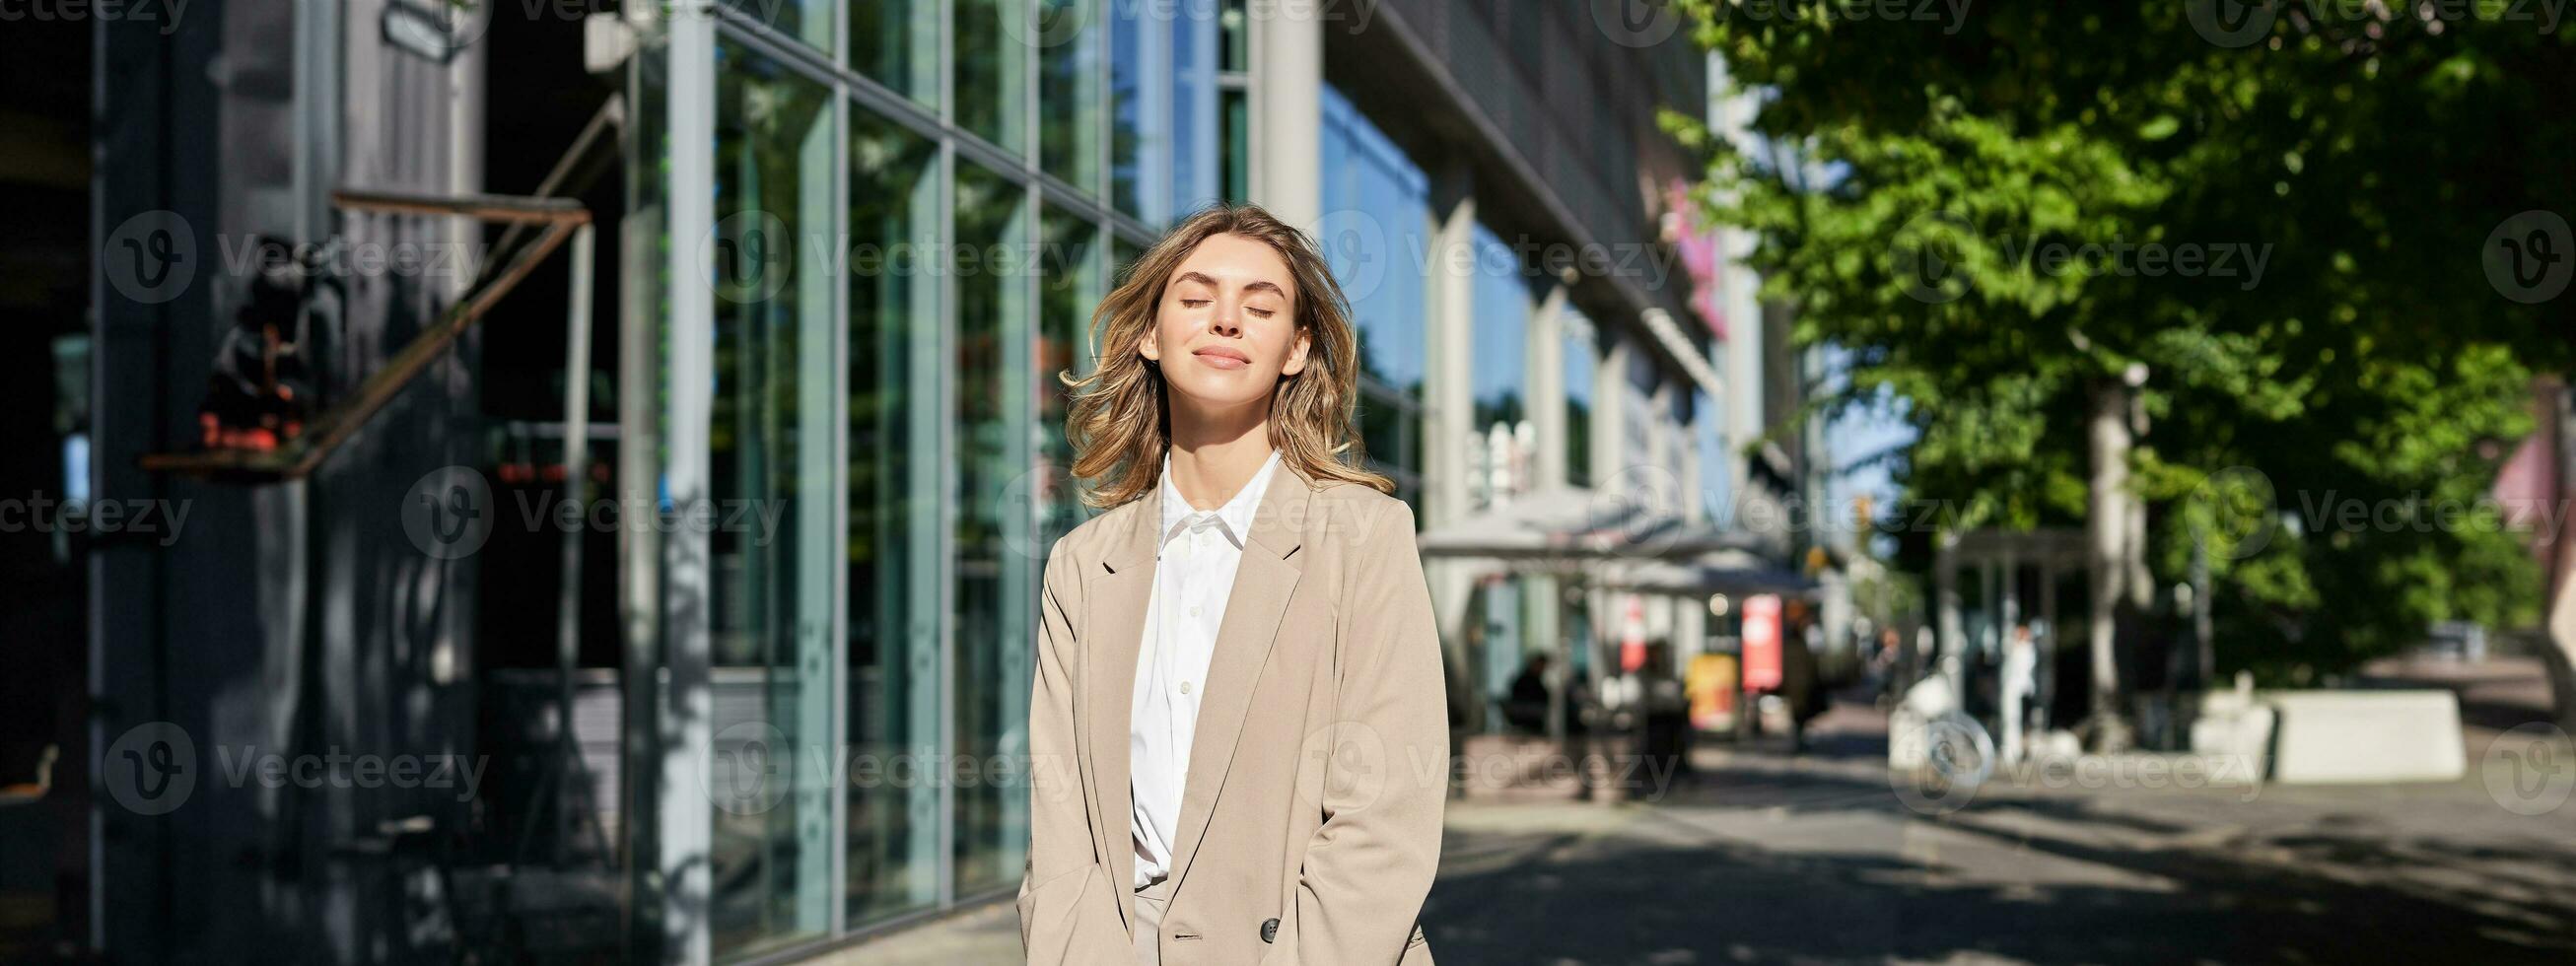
[1734, 573]
[1572, 528]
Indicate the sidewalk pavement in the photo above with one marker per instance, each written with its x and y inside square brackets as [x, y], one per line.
[1766, 857]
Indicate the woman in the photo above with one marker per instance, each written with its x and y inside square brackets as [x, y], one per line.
[1239, 729]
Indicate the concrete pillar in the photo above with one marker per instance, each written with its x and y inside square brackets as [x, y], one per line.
[1610, 407]
[1659, 437]
[687, 816]
[1287, 80]
[1448, 395]
[1547, 386]
[1448, 400]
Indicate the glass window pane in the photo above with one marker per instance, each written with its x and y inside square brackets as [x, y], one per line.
[806, 20]
[893, 846]
[1234, 36]
[1194, 141]
[1716, 480]
[1582, 358]
[1069, 116]
[1377, 206]
[995, 584]
[1637, 415]
[1238, 146]
[991, 57]
[1127, 131]
[1499, 367]
[896, 43]
[1122, 253]
[1071, 261]
[1498, 370]
[770, 447]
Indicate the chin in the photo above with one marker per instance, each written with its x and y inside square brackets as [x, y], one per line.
[1227, 394]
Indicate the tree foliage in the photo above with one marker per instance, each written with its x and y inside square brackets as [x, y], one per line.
[2287, 227]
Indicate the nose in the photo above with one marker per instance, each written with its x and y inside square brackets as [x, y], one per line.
[1228, 320]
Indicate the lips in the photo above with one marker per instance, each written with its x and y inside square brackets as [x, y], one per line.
[1223, 357]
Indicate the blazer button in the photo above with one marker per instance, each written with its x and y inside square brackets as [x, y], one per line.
[1270, 930]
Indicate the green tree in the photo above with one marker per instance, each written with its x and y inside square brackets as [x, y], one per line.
[2288, 230]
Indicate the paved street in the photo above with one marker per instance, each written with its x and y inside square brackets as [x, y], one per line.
[1767, 858]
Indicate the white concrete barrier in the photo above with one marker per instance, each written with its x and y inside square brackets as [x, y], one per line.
[2342, 737]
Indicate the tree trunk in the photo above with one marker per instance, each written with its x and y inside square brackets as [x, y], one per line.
[2106, 523]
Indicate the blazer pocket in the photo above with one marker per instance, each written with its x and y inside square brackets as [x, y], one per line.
[1050, 911]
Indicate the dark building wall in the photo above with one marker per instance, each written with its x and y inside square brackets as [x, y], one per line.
[1574, 98]
[1548, 113]
[287, 618]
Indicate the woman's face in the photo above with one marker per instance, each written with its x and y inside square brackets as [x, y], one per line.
[1226, 329]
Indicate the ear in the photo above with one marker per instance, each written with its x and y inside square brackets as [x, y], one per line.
[1297, 354]
[1147, 347]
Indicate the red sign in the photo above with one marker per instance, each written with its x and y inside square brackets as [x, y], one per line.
[1632, 635]
[1762, 643]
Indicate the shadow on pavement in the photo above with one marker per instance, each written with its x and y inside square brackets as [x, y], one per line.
[1764, 858]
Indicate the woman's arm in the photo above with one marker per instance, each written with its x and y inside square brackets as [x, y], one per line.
[1368, 868]
[1059, 907]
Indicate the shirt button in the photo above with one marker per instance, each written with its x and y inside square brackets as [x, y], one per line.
[1185, 687]
[1194, 612]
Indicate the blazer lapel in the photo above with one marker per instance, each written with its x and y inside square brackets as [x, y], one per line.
[1119, 593]
[1263, 583]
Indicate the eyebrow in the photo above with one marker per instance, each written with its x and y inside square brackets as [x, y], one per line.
[1272, 288]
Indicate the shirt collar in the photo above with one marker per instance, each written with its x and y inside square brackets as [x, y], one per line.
[1234, 518]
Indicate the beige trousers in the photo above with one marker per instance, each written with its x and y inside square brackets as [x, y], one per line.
[1151, 902]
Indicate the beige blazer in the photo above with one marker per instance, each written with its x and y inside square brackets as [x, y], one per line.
[1310, 820]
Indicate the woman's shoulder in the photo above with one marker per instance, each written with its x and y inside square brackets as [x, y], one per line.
[1087, 540]
[1363, 513]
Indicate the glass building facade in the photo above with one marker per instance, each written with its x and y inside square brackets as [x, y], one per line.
[915, 207]
[1374, 248]
[882, 228]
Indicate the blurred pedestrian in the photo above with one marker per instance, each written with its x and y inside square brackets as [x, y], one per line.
[1799, 687]
[1526, 705]
[2020, 682]
[1665, 740]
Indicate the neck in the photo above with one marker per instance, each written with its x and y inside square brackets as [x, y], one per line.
[1215, 454]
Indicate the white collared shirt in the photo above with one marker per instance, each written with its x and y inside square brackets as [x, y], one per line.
[1193, 576]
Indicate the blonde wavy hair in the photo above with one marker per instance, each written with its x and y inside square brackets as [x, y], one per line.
[1120, 421]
